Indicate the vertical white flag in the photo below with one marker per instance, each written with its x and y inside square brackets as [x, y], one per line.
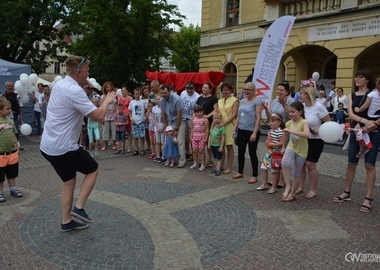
[269, 56]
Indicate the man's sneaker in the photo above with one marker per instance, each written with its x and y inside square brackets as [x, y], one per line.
[181, 164]
[2, 197]
[73, 225]
[81, 214]
[218, 172]
[16, 193]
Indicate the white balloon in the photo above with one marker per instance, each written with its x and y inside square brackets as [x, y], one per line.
[25, 98]
[97, 86]
[24, 75]
[330, 131]
[25, 80]
[26, 129]
[315, 76]
[33, 78]
[33, 88]
[92, 80]
[19, 86]
[57, 78]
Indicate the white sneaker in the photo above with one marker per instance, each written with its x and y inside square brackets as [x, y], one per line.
[194, 166]
[202, 168]
[181, 164]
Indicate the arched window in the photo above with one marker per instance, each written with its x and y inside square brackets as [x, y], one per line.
[231, 74]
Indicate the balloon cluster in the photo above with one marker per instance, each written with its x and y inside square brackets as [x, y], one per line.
[26, 84]
[95, 84]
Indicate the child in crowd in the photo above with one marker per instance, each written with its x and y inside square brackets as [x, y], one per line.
[152, 136]
[8, 151]
[43, 105]
[93, 130]
[296, 131]
[121, 126]
[340, 116]
[170, 147]
[125, 99]
[216, 141]
[372, 103]
[199, 137]
[274, 144]
[158, 129]
[145, 96]
[137, 109]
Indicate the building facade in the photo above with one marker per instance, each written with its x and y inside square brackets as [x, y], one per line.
[332, 37]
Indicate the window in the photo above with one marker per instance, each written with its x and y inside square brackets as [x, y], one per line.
[37, 45]
[57, 68]
[232, 12]
[231, 74]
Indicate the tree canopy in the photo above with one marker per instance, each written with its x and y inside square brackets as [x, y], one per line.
[119, 37]
[23, 22]
[185, 48]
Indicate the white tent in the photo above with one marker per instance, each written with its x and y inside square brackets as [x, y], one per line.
[11, 72]
[43, 81]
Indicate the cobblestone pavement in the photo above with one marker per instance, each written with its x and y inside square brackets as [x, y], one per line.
[147, 216]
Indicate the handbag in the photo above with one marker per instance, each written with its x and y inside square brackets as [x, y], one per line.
[276, 160]
[346, 142]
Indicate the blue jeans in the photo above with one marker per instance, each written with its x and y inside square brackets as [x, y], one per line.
[371, 156]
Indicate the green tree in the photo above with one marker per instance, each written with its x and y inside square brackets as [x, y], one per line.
[185, 49]
[23, 22]
[124, 37]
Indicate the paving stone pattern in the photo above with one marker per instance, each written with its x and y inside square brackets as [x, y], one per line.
[148, 216]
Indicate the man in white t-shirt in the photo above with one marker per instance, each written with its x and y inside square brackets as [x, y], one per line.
[330, 97]
[36, 96]
[189, 98]
[68, 104]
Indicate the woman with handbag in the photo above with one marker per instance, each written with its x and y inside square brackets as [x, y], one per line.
[248, 130]
[364, 83]
[315, 115]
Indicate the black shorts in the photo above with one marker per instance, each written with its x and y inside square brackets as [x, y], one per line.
[68, 164]
[315, 149]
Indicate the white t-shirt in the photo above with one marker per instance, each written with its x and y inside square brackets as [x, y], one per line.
[337, 99]
[375, 104]
[189, 103]
[38, 96]
[68, 104]
[137, 108]
[314, 115]
[157, 116]
[331, 95]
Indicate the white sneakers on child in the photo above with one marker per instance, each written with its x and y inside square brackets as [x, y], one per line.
[195, 165]
[202, 167]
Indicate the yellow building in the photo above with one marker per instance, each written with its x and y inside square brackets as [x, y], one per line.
[332, 37]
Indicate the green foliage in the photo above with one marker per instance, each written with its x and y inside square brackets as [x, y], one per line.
[185, 49]
[118, 36]
[23, 22]
[124, 37]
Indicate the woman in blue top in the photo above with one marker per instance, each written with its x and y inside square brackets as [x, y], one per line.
[247, 130]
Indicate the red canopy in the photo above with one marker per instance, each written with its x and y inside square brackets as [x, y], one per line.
[179, 80]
